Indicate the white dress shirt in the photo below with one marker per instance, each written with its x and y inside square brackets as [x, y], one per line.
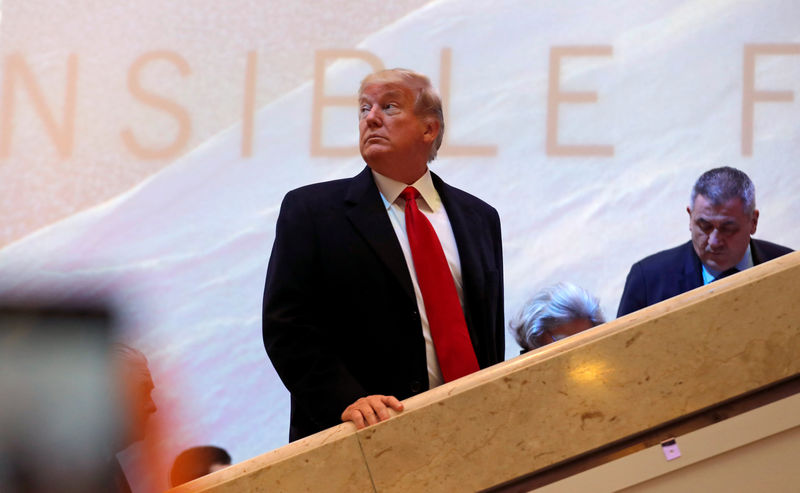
[430, 204]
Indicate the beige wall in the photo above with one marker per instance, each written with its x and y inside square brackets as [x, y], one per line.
[755, 451]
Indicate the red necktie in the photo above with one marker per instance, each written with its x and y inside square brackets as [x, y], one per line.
[445, 316]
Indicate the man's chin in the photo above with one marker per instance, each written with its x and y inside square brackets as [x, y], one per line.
[718, 265]
[372, 156]
[372, 149]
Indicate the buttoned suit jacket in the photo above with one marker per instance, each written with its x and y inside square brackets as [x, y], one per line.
[340, 317]
[671, 272]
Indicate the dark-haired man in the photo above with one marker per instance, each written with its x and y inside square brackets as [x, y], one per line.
[722, 218]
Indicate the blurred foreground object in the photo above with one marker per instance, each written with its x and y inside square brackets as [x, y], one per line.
[135, 387]
[196, 462]
[59, 415]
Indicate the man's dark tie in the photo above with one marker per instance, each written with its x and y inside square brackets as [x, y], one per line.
[445, 316]
[729, 272]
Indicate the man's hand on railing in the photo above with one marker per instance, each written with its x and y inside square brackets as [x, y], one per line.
[371, 409]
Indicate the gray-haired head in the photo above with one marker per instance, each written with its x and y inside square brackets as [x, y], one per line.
[427, 102]
[552, 307]
[720, 185]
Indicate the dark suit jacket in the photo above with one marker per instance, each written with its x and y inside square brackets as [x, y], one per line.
[340, 318]
[675, 271]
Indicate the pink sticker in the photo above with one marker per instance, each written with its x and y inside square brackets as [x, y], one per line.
[670, 449]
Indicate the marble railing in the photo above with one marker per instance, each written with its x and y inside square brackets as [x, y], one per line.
[633, 374]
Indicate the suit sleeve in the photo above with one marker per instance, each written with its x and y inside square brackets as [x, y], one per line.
[294, 329]
[500, 334]
[634, 296]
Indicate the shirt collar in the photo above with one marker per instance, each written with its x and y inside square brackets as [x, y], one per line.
[746, 262]
[390, 190]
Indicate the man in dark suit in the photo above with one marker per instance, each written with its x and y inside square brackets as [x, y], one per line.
[722, 216]
[347, 321]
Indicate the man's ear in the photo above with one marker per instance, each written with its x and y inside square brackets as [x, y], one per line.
[755, 222]
[431, 129]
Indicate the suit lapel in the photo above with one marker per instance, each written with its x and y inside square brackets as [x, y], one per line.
[756, 252]
[463, 220]
[365, 211]
[692, 270]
